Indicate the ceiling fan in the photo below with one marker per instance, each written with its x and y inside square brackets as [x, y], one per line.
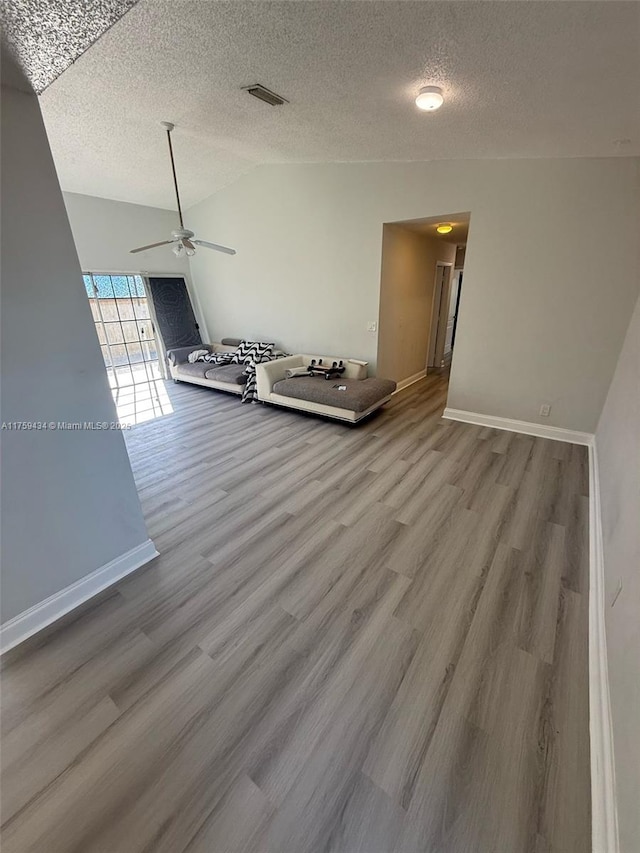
[182, 239]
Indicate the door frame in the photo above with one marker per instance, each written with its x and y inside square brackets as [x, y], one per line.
[452, 305]
[455, 318]
[440, 287]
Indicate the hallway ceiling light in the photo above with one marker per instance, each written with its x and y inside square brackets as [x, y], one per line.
[430, 98]
[444, 228]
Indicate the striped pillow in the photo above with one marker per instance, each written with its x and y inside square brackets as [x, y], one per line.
[252, 351]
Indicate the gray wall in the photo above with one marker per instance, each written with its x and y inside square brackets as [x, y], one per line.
[618, 445]
[69, 503]
[551, 271]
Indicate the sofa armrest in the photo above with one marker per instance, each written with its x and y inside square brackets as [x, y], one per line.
[270, 372]
[181, 354]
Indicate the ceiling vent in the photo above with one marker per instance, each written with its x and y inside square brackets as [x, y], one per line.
[266, 95]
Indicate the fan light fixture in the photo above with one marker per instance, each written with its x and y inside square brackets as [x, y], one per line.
[182, 240]
[444, 228]
[181, 249]
[430, 98]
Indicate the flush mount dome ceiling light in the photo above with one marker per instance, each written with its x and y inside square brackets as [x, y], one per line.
[444, 228]
[430, 98]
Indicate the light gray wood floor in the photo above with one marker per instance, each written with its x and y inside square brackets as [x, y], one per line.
[357, 640]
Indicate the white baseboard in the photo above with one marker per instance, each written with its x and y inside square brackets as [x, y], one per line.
[404, 383]
[36, 618]
[604, 815]
[526, 427]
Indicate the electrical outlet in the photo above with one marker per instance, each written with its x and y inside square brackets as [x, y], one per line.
[372, 326]
[545, 410]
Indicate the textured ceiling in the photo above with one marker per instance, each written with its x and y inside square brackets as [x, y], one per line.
[46, 36]
[521, 79]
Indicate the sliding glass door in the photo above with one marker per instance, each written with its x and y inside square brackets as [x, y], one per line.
[125, 331]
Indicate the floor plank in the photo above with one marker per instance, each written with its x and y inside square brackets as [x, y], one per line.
[366, 639]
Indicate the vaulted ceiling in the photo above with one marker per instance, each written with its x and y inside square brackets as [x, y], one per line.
[521, 79]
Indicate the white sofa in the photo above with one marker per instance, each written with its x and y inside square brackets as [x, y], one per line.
[227, 377]
[350, 398]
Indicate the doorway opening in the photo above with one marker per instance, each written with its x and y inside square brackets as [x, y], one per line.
[122, 318]
[420, 295]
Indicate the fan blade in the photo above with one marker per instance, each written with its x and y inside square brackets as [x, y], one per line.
[151, 246]
[186, 242]
[215, 246]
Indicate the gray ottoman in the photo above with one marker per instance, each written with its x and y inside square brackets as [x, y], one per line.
[356, 395]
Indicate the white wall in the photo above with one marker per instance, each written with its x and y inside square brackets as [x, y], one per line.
[407, 283]
[618, 447]
[69, 502]
[550, 271]
[105, 231]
